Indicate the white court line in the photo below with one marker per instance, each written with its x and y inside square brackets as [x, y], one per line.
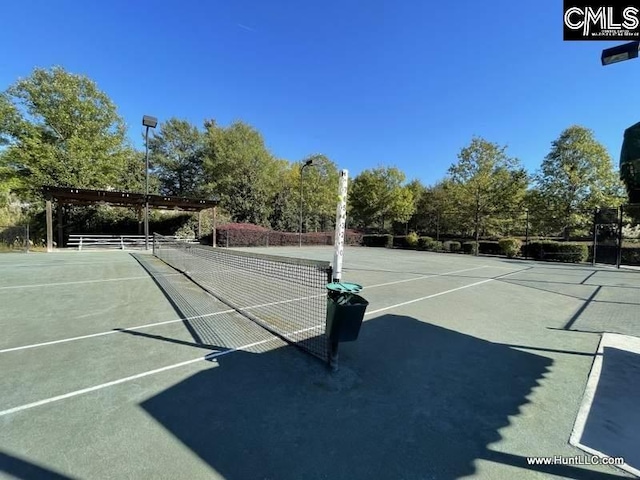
[108, 332]
[422, 277]
[128, 379]
[149, 325]
[208, 357]
[55, 264]
[442, 293]
[81, 282]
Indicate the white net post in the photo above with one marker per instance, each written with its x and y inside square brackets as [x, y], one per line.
[341, 218]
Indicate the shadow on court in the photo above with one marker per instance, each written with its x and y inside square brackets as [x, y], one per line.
[21, 469]
[411, 401]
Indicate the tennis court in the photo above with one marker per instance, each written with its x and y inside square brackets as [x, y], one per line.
[115, 365]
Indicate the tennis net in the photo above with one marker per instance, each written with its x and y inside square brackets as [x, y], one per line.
[286, 296]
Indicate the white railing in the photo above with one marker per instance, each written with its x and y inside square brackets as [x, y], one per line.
[114, 242]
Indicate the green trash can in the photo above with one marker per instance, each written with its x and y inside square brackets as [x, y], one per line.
[345, 311]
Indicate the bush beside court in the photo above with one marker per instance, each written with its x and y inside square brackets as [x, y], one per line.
[547, 250]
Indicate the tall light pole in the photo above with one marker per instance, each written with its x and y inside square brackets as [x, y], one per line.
[620, 53]
[526, 234]
[308, 163]
[148, 122]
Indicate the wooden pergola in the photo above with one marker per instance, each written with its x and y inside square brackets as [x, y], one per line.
[78, 196]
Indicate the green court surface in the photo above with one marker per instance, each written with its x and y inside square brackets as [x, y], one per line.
[113, 365]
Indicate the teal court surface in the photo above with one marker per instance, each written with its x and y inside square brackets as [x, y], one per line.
[114, 365]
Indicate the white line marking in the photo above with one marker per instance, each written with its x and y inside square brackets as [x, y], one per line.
[212, 356]
[63, 264]
[128, 379]
[440, 293]
[109, 332]
[149, 325]
[81, 282]
[422, 277]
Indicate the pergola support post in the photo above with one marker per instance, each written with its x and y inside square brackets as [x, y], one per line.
[49, 226]
[60, 210]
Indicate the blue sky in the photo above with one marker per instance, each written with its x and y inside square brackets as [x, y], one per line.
[368, 83]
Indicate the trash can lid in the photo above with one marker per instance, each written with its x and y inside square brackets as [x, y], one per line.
[344, 287]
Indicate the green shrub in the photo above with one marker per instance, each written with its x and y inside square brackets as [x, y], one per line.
[385, 241]
[558, 251]
[510, 246]
[412, 240]
[452, 246]
[489, 248]
[470, 248]
[400, 241]
[630, 256]
[425, 243]
[438, 247]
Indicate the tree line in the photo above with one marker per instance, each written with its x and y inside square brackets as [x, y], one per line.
[59, 128]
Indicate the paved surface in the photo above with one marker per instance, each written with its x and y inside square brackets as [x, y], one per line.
[464, 368]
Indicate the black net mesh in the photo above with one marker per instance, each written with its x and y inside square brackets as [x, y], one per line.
[286, 296]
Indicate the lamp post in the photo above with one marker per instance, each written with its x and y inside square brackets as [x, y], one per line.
[620, 53]
[308, 163]
[148, 122]
[526, 234]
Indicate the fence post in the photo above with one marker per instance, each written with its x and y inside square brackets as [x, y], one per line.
[49, 216]
[526, 235]
[620, 238]
[214, 229]
[595, 236]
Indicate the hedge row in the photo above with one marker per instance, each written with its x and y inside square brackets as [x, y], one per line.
[511, 247]
[557, 251]
[247, 235]
[386, 241]
[630, 255]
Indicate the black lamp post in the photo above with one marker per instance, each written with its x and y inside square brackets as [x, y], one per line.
[308, 163]
[526, 234]
[620, 53]
[148, 122]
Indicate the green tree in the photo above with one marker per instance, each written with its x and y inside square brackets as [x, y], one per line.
[575, 177]
[176, 155]
[285, 212]
[320, 192]
[62, 130]
[436, 211]
[486, 184]
[240, 170]
[379, 195]
[418, 192]
[9, 120]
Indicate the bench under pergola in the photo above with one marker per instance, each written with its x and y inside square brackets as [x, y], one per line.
[63, 196]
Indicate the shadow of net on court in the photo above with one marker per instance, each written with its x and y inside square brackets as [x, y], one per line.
[286, 296]
[211, 324]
